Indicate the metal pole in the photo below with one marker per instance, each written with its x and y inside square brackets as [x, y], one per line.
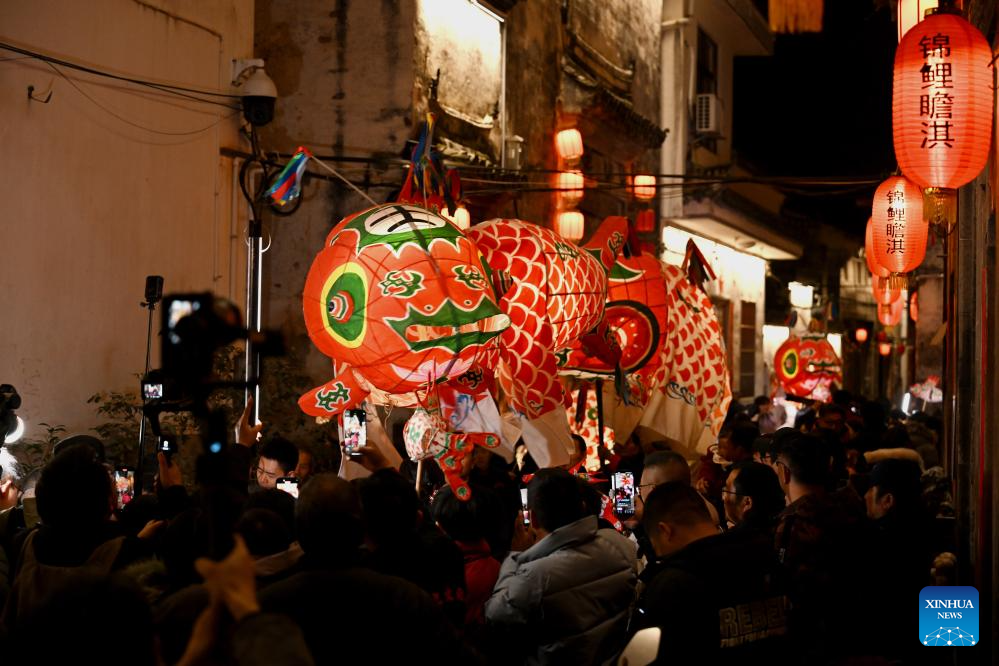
[142, 421]
[253, 314]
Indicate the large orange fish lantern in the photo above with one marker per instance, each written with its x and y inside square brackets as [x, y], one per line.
[808, 366]
[554, 292]
[400, 299]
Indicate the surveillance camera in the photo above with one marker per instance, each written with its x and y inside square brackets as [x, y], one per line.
[259, 91]
[259, 95]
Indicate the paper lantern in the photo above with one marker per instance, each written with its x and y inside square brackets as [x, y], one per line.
[914, 306]
[570, 224]
[644, 187]
[570, 186]
[569, 144]
[942, 102]
[872, 266]
[899, 229]
[884, 348]
[885, 292]
[807, 367]
[556, 294]
[890, 315]
[645, 221]
[860, 335]
[400, 299]
[911, 12]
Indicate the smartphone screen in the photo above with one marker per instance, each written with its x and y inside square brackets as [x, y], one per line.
[523, 506]
[152, 391]
[167, 445]
[355, 432]
[624, 493]
[124, 485]
[289, 484]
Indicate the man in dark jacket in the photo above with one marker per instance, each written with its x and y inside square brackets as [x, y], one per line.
[820, 543]
[565, 599]
[711, 595]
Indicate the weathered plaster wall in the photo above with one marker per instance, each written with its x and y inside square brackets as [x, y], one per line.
[344, 74]
[104, 185]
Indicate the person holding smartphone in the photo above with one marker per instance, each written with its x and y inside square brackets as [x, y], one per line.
[278, 458]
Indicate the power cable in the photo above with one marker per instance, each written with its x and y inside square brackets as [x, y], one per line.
[134, 124]
[162, 87]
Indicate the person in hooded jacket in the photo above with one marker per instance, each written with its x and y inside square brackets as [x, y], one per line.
[565, 598]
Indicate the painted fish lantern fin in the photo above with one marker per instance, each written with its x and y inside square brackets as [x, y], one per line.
[696, 267]
[333, 397]
[608, 241]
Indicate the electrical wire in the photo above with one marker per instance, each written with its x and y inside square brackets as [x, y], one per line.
[134, 124]
[162, 87]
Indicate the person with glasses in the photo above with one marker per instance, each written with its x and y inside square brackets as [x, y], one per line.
[278, 458]
[752, 495]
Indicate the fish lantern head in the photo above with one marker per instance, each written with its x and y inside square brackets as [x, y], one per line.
[808, 366]
[403, 297]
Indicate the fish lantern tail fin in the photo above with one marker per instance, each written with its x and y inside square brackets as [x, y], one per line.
[333, 397]
[608, 240]
[451, 459]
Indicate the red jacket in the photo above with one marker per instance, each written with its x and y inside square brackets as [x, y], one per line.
[481, 573]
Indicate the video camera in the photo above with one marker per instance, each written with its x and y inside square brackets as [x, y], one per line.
[195, 326]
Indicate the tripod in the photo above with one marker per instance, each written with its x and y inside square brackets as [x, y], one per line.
[154, 294]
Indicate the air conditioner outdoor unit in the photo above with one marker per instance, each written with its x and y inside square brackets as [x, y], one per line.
[707, 115]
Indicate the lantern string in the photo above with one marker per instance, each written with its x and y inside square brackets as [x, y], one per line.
[344, 179]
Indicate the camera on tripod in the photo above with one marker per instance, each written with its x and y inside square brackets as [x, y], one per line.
[195, 326]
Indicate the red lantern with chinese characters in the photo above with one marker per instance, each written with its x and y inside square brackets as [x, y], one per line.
[942, 102]
[898, 229]
[569, 144]
[808, 366]
[885, 292]
[873, 266]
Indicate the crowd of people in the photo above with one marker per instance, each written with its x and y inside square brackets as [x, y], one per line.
[785, 545]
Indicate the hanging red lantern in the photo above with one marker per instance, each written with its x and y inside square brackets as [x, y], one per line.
[645, 221]
[570, 185]
[643, 187]
[914, 306]
[899, 229]
[890, 315]
[942, 101]
[860, 335]
[570, 224]
[873, 266]
[569, 144]
[884, 348]
[885, 293]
